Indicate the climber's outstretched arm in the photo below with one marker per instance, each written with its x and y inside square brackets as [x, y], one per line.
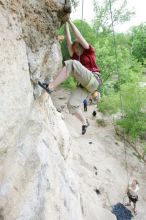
[78, 35]
[68, 39]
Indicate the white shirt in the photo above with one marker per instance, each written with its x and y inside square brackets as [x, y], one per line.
[133, 190]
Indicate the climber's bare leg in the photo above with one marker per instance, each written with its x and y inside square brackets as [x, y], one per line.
[81, 117]
[61, 77]
[129, 203]
[135, 211]
[83, 120]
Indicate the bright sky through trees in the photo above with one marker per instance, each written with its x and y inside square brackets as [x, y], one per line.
[139, 7]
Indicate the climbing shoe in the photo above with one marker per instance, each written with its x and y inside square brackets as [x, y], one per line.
[84, 127]
[45, 86]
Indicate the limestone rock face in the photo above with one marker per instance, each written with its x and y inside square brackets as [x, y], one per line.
[36, 181]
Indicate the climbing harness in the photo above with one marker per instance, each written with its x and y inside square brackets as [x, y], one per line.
[90, 84]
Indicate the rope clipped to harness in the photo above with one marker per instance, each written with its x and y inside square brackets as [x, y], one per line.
[89, 86]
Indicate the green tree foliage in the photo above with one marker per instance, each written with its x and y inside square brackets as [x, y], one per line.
[121, 69]
[69, 83]
[121, 91]
[138, 40]
[133, 104]
[87, 31]
[109, 104]
[120, 63]
[120, 14]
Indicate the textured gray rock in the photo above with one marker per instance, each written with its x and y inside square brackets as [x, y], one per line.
[36, 181]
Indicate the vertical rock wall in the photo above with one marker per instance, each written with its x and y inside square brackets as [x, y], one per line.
[38, 180]
[35, 181]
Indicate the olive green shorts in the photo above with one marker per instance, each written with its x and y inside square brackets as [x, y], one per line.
[83, 77]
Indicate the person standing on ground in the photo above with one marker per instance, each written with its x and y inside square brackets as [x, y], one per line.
[82, 66]
[85, 105]
[132, 191]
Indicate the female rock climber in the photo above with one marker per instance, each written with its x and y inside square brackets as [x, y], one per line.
[132, 191]
[82, 66]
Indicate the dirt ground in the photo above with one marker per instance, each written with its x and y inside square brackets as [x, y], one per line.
[98, 159]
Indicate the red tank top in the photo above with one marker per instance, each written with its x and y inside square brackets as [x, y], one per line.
[87, 59]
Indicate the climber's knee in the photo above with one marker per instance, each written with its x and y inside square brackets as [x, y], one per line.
[72, 66]
[76, 99]
[72, 109]
[69, 66]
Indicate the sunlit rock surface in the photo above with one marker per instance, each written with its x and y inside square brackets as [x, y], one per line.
[37, 181]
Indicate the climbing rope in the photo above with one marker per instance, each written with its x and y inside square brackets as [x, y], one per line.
[82, 16]
[119, 77]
